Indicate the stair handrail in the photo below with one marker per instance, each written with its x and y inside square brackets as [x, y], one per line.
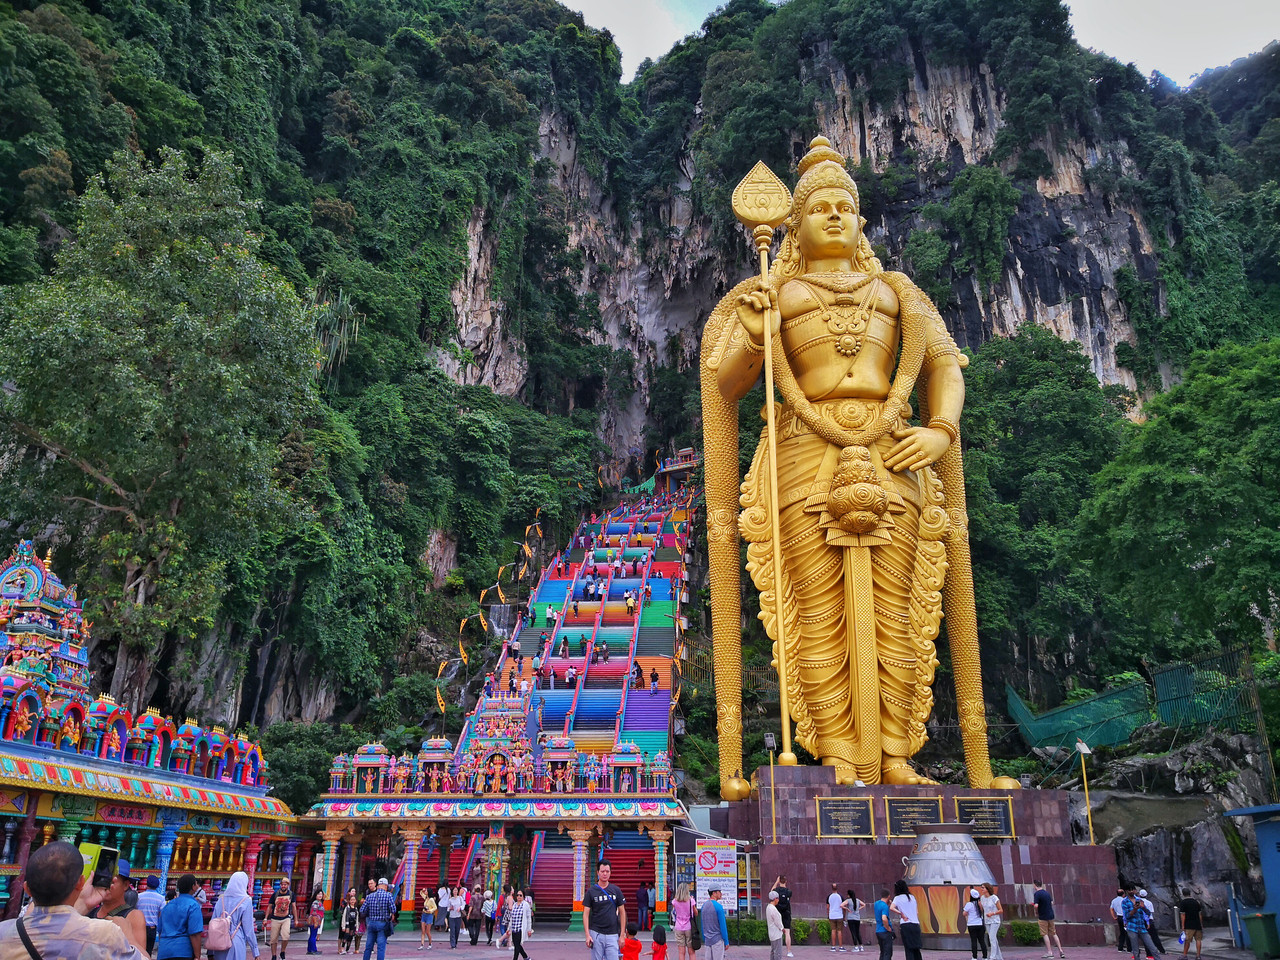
[631, 661]
[572, 715]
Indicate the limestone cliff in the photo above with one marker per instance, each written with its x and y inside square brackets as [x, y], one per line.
[1066, 240]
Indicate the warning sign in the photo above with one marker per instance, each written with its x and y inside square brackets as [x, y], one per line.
[717, 866]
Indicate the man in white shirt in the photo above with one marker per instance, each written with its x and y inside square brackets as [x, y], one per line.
[835, 917]
[1117, 914]
[150, 900]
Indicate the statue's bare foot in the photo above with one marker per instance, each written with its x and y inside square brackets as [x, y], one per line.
[898, 771]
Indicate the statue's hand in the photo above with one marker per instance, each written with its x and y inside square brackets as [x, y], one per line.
[916, 447]
[755, 308]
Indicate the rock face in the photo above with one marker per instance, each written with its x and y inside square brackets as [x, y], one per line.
[1066, 240]
[1163, 815]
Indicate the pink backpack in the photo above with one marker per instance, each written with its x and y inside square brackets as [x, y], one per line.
[219, 936]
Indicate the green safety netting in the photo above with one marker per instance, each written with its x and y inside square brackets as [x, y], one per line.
[1105, 720]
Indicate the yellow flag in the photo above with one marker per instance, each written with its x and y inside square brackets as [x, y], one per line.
[462, 624]
[484, 623]
[498, 587]
[527, 551]
[527, 529]
[523, 568]
[536, 512]
[439, 699]
[460, 650]
[482, 593]
[600, 476]
[440, 672]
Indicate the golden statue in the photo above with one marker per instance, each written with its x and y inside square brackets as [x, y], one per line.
[852, 515]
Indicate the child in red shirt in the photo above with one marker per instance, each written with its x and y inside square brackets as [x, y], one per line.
[631, 949]
[659, 942]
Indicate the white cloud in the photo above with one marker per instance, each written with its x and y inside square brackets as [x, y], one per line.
[1180, 38]
[642, 28]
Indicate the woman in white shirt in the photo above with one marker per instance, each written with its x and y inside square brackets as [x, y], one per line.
[905, 906]
[974, 923]
[835, 918]
[992, 913]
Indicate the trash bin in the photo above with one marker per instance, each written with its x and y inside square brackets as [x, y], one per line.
[1263, 937]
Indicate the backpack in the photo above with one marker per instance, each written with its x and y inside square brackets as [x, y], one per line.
[219, 935]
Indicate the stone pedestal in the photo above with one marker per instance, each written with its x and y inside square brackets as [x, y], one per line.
[1082, 878]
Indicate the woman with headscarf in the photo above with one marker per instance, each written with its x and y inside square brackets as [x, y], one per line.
[236, 903]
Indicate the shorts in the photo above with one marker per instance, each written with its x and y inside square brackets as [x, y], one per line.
[1048, 929]
[428, 918]
[684, 938]
[786, 919]
[1197, 936]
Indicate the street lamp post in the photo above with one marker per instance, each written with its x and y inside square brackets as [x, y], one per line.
[771, 744]
[1084, 750]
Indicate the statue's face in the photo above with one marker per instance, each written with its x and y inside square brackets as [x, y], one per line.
[829, 225]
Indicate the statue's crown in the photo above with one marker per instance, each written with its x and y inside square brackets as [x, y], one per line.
[820, 149]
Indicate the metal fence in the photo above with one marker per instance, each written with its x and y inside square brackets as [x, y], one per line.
[1105, 720]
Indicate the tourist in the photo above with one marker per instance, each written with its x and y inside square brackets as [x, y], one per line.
[150, 901]
[604, 650]
[659, 948]
[1117, 914]
[992, 913]
[1191, 911]
[1137, 921]
[575, 606]
[426, 919]
[511, 682]
[853, 908]
[517, 917]
[630, 949]
[905, 906]
[115, 907]
[784, 908]
[457, 904]
[236, 904]
[642, 905]
[57, 920]
[500, 911]
[773, 923]
[715, 932]
[653, 681]
[475, 915]
[564, 640]
[515, 647]
[551, 615]
[530, 912]
[582, 645]
[180, 924]
[884, 925]
[653, 897]
[315, 919]
[524, 688]
[682, 910]
[975, 924]
[595, 653]
[604, 914]
[378, 909]
[442, 908]
[835, 919]
[1043, 900]
[1152, 927]
[551, 678]
[349, 921]
[487, 910]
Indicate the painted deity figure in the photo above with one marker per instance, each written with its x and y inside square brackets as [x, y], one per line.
[22, 722]
[368, 781]
[859, 501]
[435, 778]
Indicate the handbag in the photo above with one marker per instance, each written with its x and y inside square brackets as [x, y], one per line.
[696, 929]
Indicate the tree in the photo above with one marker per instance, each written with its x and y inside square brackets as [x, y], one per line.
[1184, 524]
[1037, 429]
[152, 378]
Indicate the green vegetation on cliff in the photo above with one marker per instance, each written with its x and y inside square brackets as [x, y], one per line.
[378, 146]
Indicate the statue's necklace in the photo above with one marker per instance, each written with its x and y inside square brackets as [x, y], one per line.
[847, 315]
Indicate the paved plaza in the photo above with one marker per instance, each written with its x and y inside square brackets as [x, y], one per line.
[562, 946]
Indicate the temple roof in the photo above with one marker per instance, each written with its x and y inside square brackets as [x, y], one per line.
[656, 807]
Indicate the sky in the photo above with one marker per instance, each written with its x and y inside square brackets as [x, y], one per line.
[1180, 38]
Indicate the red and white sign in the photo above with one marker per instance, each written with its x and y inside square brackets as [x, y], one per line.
[717, 869]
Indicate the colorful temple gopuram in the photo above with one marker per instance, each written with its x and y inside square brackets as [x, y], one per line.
[172, 798]
[552, 769]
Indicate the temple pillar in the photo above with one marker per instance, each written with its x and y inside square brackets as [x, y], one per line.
[26, 834]
[412, 845]
[164, 853]
[497, 858]
[332, 838]
[251, 853]
[287, 855]
[580, 838]
[661, 844]
[350, 859]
